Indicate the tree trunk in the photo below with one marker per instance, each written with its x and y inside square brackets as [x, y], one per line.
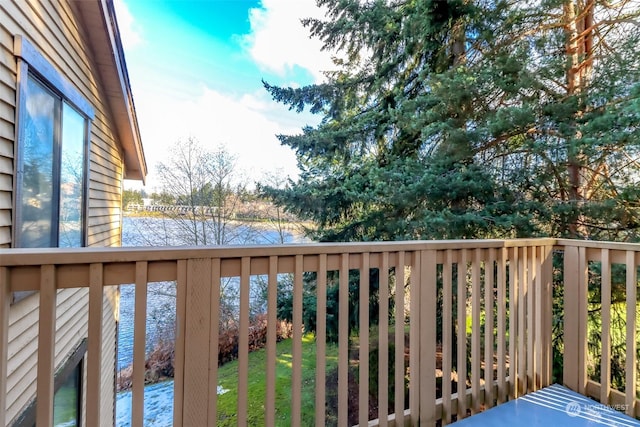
[578, 18]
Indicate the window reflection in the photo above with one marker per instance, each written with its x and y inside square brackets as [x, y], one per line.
[37, 156]
[66, 401]
[71, 177]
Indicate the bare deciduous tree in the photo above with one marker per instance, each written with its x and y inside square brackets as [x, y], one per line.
[206, 188]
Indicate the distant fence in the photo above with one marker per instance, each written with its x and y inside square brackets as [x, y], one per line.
[287, 222]
[181, 209]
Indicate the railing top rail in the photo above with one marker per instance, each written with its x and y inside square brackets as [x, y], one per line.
[595, 244]
[40, 256]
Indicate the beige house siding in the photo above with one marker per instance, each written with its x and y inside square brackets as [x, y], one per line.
[51, 26]
[7, 129]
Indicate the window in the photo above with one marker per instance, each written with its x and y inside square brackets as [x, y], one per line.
[50, 171]
[67, 399]
[51, 153]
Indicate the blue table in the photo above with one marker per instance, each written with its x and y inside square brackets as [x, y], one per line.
[552, 406]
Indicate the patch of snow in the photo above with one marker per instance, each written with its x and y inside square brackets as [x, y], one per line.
[158, 405]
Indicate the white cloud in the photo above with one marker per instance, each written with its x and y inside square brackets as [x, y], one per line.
[278, 41]
[130, 34]
[247, 126]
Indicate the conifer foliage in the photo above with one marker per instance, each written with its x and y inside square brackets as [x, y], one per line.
[469, 119]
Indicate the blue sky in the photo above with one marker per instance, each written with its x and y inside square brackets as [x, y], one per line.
[196, 68]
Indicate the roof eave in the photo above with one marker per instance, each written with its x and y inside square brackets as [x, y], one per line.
[109, 57]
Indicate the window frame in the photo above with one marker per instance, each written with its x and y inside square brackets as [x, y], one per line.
[31, 64]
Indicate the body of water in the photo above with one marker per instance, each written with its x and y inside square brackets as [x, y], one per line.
[148, 231]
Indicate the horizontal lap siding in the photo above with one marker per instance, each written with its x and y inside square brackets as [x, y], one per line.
[7, 131]
[50, 25]
[71, 327]
[105, 199]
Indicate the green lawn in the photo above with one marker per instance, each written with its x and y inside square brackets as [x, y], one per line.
[228, 379]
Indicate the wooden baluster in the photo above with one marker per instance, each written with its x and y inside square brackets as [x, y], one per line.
[139, 345]
[447, 330]
[476, 299]
[630, 362]
[321, 340]
[181, 321]
[296, 374]
[605, 361]
[502, 325]
[343, 344]
[243, 342]
[363, 405]
[46, 346]
[414, 339]
[489, 286]
[399, 338]
[272, 308]
[462, 335]
[94, 344]
[383, 342]
[214, 342]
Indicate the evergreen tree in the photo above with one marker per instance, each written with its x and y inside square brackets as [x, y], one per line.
[461, 118]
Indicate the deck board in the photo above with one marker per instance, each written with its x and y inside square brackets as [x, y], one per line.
[552, 406]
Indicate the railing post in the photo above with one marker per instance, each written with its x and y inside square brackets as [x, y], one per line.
[196, 343]
[5, 300]
[575, 272]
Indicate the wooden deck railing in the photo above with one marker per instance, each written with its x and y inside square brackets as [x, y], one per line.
[592, 270]
[478, 315]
